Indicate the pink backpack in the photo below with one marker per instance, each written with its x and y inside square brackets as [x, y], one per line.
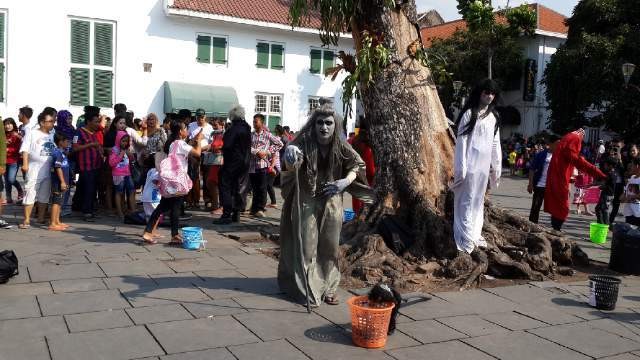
[174, 180]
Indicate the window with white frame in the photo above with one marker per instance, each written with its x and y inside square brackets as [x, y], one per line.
[212, 49]
[270, 55]
[314, 103]
[321, 60]
[3, 54]
[92, 62]
[270, 105]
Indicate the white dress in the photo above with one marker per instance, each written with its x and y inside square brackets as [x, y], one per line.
[478, 159]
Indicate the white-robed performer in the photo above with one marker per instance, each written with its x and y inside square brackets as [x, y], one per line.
[478, 160]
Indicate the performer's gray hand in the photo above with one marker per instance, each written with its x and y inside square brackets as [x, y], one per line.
[335, 187]
[293, 155]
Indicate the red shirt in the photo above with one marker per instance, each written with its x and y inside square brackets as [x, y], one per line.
[14, 140]
[100, 135]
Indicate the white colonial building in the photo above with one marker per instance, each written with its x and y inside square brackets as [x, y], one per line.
[525, 97]
[163, 55]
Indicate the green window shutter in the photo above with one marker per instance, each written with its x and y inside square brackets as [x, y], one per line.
[103, 45]
[316, 62]
[2, 22]
[277, 52]
[102, 88]
[272, 121]
[204, 49]
[79, 86]
[80, 42]
[328, 60]
[219, 50]
[263, 55]
[1, 82]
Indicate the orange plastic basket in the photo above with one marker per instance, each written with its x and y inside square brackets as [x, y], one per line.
[369, 322]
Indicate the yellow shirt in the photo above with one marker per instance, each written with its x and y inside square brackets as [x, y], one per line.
[512, 157]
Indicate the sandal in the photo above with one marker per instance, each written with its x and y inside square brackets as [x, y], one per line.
[175, 241]
[56, 228]
[148, 241]
[24, 226]
[331, 300]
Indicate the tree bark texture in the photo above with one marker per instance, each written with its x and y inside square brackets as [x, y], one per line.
[414, 148]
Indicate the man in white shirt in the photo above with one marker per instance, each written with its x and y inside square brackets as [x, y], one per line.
[24, 116]
[200, 125]
[36, 150]
[538, 177]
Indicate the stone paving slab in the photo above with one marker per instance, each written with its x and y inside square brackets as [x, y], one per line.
[116, 344]
[587, 339]
[513, 321]
[22, 277]
[625, 330]
[522, 294]
[35, 349]
[45, 259]
[260, 302]
[211, 354]
[98, 320]
[434, 308]
[164, 296]
[78, 285]
[185, 279]
[64, 272]
[250, 261]
[279, 324]
[25, 330]
[130, 283]
[108, 258]
[157, 255]
[517, 345]
[472, 325]
[547, 314]
[81, 302]
[239, 287]
[331, 345]
[269, 350]
[41, 288]
[451, 350]
[199, 264]
[157, 314]
[18, 307]
[430, 331]
[481, 301]
[200, 334]
[137, 267]
[204, 309]
[621, 357]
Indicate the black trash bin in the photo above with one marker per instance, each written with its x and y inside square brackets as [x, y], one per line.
[603, 291]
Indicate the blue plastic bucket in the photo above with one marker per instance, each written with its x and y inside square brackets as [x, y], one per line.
[191, 237]
[349, 215]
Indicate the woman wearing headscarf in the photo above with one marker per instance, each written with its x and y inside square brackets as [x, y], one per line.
[478, 160]
[64, 125]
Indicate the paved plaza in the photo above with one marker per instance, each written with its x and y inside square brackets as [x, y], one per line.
[95, 293]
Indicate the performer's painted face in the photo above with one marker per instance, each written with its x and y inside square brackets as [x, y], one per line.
[487, 97]
[325, 127]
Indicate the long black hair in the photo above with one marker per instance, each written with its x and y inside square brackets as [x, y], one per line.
[473, 104]
[175, 128]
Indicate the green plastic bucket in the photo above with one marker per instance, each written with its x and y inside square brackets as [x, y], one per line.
[598, 233]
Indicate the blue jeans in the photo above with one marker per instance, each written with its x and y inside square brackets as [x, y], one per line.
[10, 180]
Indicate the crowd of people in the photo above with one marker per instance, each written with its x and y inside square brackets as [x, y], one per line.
[103, 162]
[614, 183]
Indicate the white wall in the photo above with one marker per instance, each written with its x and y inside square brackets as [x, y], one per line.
[534, 114]
[38, 52]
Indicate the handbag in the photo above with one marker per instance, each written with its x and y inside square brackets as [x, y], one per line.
[8, 265]
[136, 173]
[173, 180]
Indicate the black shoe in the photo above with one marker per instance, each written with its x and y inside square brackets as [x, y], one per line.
[235, 217]
[223, 220]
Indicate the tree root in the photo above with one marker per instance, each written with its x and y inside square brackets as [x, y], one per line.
[517, 248]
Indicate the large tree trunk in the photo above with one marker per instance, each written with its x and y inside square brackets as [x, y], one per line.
[414, 147]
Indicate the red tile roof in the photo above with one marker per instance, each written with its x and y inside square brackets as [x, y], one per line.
[271, 11]
[548, 20]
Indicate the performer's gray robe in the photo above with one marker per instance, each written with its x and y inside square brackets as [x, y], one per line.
[319, 221]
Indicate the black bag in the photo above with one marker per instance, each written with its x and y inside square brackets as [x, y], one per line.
[397, 236]
[8, 265]
[136, 174]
